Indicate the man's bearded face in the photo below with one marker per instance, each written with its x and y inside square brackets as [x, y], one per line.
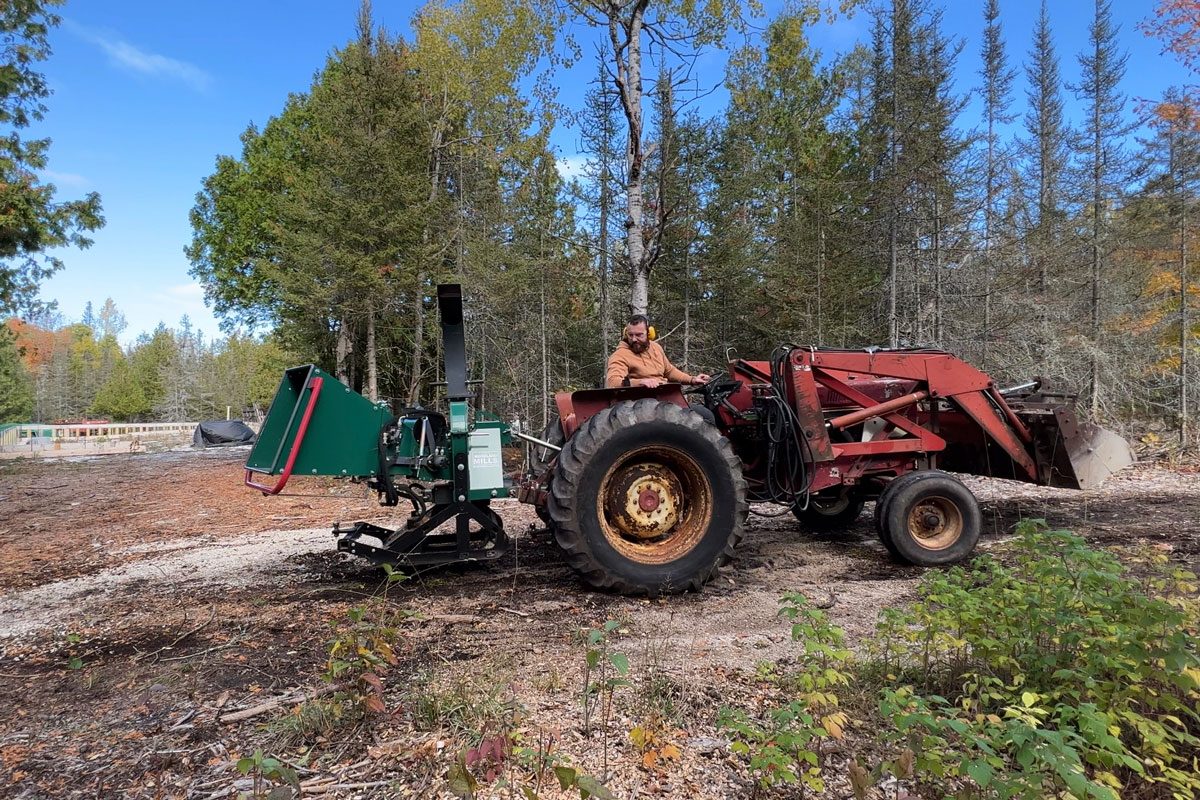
[637, 337]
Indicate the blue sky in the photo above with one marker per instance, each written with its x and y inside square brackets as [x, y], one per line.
[147, 94]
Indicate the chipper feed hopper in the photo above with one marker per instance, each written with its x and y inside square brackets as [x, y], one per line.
[447, 466]
[647, 490]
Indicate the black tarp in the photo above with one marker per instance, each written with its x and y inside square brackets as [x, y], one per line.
[222, 433]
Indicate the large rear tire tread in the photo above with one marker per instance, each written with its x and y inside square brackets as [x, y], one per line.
[598, 444]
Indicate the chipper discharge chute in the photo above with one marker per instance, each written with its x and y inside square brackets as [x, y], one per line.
[449, 468]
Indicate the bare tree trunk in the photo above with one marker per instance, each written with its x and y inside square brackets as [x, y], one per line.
[342, 352]
[820, 267]
[545, 357]
[605, 312]
[937, 271]
[894, 211]
[1043, 236]
[987, 244]
[1094, 360]
[918, 295]
[1097, 166]
[629, 89]
[687, 308]
[418, 308]
[893, 322]
[1184, 327]
[372, 356]
[418, 312]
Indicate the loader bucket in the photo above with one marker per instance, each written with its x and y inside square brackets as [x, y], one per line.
[1073, 454]
[316, 425]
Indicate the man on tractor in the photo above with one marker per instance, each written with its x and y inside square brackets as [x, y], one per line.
[640, 361]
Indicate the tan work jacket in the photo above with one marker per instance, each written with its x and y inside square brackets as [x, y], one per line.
[653, 363]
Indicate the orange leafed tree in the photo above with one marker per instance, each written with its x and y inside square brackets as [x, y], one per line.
[36, 344]
[1176, 23]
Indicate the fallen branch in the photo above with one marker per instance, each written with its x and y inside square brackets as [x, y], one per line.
[271, 705]
[341, 787]
[182, 636]
[451, 618]
[202, 652]
[183, 721]
[514, 611]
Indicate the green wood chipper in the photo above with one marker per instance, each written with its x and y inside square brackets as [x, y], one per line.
[449, 466]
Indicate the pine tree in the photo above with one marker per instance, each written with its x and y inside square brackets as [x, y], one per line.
[34, 221]
[1169, 212]
[915, 149]
[939, 177]
[122, 397]
[359, 209]
[16, 386]
[1047, 151]
[1102, 168]
[997, 86]
[599, 130]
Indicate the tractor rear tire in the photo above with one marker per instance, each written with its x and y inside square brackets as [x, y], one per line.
[929, 519]
[830, 514]
[540, 458]
[647, 498]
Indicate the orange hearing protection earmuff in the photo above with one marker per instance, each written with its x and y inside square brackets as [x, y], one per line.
[651, 334]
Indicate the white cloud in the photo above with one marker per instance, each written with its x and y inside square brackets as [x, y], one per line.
[571, 166]
[126, 56]
[186, 291]
[66, 179]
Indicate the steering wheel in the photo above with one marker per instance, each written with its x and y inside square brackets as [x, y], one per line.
[715, 389]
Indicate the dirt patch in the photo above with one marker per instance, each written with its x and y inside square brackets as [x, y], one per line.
[144, 597]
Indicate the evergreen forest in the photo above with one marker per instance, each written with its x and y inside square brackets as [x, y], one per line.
[1032, 224]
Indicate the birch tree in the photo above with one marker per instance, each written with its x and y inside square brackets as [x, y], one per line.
[677, 27]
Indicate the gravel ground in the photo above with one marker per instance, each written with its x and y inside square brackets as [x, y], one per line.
[144, 597]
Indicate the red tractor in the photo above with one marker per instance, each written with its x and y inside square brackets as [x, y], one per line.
[647, 495]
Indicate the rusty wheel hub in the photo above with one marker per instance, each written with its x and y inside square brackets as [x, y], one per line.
[655, 505]
[643, 500]
[935, 523]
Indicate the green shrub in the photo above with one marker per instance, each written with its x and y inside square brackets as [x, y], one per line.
[1068, 672]
[783, 747]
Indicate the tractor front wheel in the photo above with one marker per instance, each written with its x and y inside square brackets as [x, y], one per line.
[647, 498]
[929, 519]
[829, 514]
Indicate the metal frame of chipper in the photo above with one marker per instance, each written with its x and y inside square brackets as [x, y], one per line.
[448, 468]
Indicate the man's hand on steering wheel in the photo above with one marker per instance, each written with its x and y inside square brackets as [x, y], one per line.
[701, 378]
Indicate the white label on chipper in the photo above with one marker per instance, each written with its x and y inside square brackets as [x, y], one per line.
[487, 465]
